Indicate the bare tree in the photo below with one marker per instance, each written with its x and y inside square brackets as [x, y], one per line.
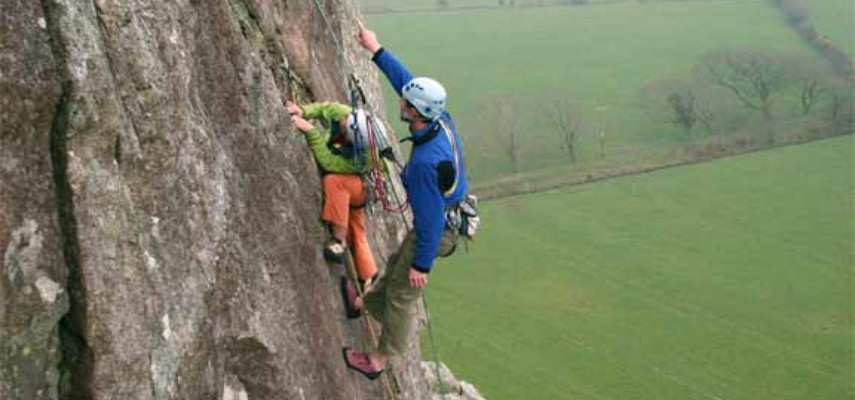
[809, 93]
[600, 132]
[754, 76]
[683, 102]
[812, 81]
[501, 112]
[562, 114]
[510, 127]
[684, 108]
[842, 107]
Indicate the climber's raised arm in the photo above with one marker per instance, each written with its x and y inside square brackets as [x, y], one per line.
[392, 67]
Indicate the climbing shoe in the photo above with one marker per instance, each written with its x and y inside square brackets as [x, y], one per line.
[334, 251]
[349, 296]
[360, 362]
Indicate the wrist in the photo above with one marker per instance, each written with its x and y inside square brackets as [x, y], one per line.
[420, 269]
[377, 53]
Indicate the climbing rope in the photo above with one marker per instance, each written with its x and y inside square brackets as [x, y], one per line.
[389, 380]
[327, 21]
[434, 348]
[379, 180]
[352, 82]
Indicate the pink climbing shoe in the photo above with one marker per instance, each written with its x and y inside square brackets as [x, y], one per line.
[360, 362]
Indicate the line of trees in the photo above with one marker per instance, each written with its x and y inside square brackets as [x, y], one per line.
[733, 98]
[763, 81]
[511, 118]
[798, 18]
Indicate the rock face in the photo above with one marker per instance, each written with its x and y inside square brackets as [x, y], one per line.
[159, 216]
[444, 386]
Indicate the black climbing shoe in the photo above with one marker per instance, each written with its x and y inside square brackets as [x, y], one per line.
[334, 251]
[349, 296]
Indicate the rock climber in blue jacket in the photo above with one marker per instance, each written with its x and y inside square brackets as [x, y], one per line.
[434, 180]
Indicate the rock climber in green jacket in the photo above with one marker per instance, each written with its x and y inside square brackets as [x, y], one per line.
[344, 191]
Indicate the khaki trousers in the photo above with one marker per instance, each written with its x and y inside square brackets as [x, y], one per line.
[391, 301]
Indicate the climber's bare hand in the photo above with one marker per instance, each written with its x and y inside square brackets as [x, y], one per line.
[418, 279]
[367, 38]
[301, 124]
[293, 108]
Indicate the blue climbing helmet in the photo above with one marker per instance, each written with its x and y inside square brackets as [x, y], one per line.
[427, 95]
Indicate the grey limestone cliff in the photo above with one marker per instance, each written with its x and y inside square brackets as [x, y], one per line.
[159, 216]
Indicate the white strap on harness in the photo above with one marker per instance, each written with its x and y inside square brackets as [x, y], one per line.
[450, 135]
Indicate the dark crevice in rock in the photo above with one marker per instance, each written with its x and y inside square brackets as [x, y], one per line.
[75, 353]
[75, 363]
[117, 149]
[255, 97]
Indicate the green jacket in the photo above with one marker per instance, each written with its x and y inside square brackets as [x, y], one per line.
[327, 159]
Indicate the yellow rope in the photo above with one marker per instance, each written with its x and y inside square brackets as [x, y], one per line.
[294, 84]
[351, 272]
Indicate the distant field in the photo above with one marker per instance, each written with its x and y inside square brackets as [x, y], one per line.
[400, 4]
[599, 56]
[727, 280]
[423, 3]
[834, 18]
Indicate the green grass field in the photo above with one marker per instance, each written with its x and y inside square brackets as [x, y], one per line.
[599, 56]
[834, 18]
[729, 280]
[424, 3]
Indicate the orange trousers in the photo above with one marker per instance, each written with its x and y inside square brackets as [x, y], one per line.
[345, 207]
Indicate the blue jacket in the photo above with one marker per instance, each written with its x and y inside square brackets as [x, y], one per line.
[421, 177]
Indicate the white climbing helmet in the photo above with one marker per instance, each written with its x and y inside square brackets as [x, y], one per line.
[357, 123]
[427, 95]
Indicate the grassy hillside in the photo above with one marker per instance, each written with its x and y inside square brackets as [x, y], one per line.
[599, 56]
[724, 280]
[423, 3]
[834, 18]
